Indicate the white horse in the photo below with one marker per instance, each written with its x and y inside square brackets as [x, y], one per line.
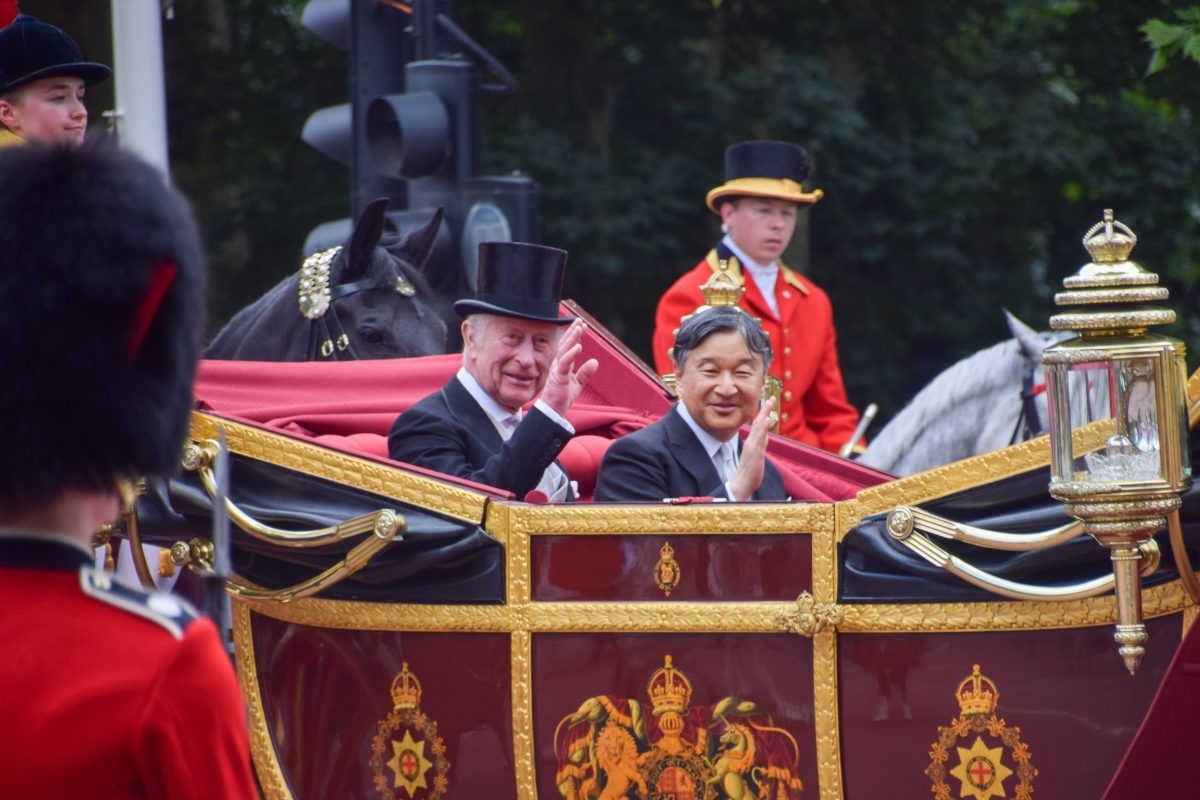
[976, 406]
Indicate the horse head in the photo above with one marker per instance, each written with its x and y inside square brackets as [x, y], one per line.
[1033, 417]
[365, 299]
[989, 400]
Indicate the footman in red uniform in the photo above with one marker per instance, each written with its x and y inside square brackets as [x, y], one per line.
[758, 204]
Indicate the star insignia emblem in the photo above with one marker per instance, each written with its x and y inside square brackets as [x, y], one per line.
[409, 764]
[981, 771]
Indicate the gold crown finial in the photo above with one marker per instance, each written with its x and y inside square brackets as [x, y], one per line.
[977, 694]
[1111, 295]
[722, 288]
[406, 689]
[1109, 241]
[669, 690]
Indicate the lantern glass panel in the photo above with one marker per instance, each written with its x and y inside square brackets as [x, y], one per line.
[1131, 452]
[1123, 391]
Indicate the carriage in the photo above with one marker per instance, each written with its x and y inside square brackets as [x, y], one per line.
[401, 634]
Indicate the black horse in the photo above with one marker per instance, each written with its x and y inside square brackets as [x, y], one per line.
[366, 299]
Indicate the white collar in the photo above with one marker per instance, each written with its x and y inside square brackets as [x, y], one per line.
[749, 263]
[496, 412]
[709, 442]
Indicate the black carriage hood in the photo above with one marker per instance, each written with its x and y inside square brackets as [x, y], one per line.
[877, 568]
[439, 560]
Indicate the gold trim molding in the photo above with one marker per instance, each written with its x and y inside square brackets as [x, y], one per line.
[715, 617]
[519, 519]
[958, 476]
[266, 762]
[341, 467]
[826, 723]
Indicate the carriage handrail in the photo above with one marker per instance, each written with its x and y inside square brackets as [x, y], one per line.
[915, 539]
[903, 519]
[201, 457]
[357, 558]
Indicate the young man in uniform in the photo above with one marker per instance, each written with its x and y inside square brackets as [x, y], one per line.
[758, 204]
[43, 78]
[109, 691]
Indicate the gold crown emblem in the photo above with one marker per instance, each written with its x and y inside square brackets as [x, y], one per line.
[977, 694]
[1109, 241]
[406, 689]
[669, 690]
[722, 288]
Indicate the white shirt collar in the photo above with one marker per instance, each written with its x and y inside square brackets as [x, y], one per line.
[749, 263]
[494, 410]
[709, 442]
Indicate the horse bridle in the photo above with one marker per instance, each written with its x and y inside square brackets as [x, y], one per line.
[326, 336]
[1028, 422]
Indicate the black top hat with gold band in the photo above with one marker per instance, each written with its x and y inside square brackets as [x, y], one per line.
[31, 50]
[518, 280]
[774, 170]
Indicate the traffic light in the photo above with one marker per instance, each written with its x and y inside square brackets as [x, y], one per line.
[411, 132]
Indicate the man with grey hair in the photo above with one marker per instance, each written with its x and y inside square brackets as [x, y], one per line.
[515, 351]
[721, 360]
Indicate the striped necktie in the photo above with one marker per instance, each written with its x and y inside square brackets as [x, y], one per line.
[726, 460]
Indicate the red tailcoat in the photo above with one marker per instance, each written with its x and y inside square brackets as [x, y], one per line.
[814, 409]
[109, 692]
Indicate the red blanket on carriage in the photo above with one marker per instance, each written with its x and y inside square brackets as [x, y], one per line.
[350, 405]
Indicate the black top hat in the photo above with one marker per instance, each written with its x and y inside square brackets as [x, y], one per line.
[773, 170]
[518, 280]
[31, 50]
[103, 298]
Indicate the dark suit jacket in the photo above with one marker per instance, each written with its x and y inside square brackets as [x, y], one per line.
[665, 459]
[449, 432]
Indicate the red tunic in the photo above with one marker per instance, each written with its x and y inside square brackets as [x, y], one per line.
[108, 692]
[814, 409]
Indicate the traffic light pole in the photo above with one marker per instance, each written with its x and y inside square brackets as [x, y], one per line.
[410, 131]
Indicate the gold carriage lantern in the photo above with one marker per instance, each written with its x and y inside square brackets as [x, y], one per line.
[1116, 394]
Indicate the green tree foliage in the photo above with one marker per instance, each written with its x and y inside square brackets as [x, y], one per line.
[964, 149]
[1174, 41]
[242, 77]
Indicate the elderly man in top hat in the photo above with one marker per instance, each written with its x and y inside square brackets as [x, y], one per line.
[109, 691]
[758, 204]
[721, 358]
[42, 81]
[514, 350]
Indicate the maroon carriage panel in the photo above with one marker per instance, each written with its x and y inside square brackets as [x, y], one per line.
[1062, 694]
[351, 711]
[742, 567]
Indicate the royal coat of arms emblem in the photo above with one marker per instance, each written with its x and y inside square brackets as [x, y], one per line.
[611, 749]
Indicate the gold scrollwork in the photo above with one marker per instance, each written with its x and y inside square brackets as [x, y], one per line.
[808, 617]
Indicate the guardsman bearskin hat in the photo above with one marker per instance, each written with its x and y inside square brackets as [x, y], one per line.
[519, 280]
[31, 50]
[101, 311]
[774, 170]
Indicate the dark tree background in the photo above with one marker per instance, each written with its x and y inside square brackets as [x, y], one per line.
[964, 149]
